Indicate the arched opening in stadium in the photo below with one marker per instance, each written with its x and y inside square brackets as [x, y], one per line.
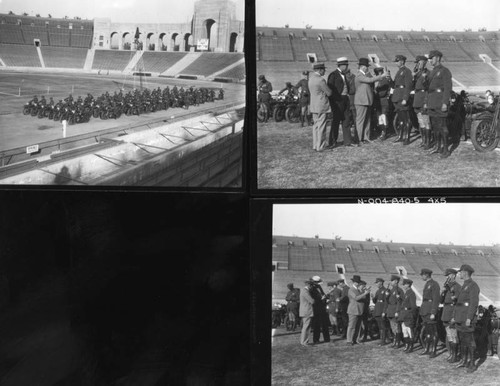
[115, 41]
[232, 42]
[173, 42]
[188, 42]
[150, 42]
[127, 40]
[210, 30]
[163, 41]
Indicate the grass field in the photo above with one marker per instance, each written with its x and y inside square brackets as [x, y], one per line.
[337, 363]
[286, 160]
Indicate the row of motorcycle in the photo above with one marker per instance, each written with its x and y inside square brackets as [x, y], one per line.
[282, 107]
[80, 112]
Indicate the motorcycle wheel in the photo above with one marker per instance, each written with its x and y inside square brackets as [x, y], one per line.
[118, 114]
[279, 114]
[26, 110]
[71, 120]
[261, 115]
[51, 115]
[483, 135]
[292, 114]
[96, 114]
[34, 112]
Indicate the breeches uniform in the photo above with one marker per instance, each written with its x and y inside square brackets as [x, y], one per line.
[293, 310]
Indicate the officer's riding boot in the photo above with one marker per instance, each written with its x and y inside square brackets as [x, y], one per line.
[422, 137]
[382, 338]
[406, 342]
[434, 346]
[451, 350]
[427, 134]
[472, 365]
[395, 340]
[383, 134]
[427, 346]
[410, 345]
[454, 353]
[301, 120]
[437, 146]
[464, 351]
[446, 152]
[407, 133]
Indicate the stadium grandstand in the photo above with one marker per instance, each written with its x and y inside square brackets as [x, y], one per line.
[296, 259]
[472, 57]
[209, 46]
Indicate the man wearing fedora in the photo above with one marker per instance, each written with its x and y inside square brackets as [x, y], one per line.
[339, 103]
[319, 105]
[363, 98]
[428, 311]
[355, 309]
[464, 317]
[320, 322]
[306, 313]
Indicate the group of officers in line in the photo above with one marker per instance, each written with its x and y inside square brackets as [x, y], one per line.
[351, 98]
[395, 309]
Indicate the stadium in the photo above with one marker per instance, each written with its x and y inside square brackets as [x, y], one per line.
[297, 259]
[193, 139]
[283, 53]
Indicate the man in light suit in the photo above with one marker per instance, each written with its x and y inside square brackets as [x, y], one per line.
[319, 105]
[363, 99]
[355, 309]
[306, 313]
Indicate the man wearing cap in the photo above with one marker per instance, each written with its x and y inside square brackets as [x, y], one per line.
[319, 105]
[379, 299]
[339, 103]
[407, 315]
[343, 304]
[394, 297]
[437, 101]
[401, 99]
[264, 82]
[292, 306]
[304, 97]
[331, 304]
[449, 297]
[421, 84]
[306, 312]
[381, 102]
[355, 309]
[363, 99]
[464, 317]
[320, 320]
[289, 89]
[428, 311]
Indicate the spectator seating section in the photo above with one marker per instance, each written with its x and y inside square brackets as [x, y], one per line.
[160, 61]
[275, 49]
[31, 33]
[280, 253]
[452, 52]
[367, 262]
[474, 48]
[112, 60]
[210, 62]
[393, 48]
[59, 37]
[337, 48]
[304, 46]
[392, 259]
[19, 55]
[237, 72]
[446, 260]
[494, 46]
[81, 38]
[364, 47]
[423, 260]
[494, 261]
[64, 57]
[419, 47]
[474, 74]
[481, 265]
[305, 259]
[11, 34]
[339, 256]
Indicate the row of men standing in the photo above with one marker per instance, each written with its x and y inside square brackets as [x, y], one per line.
[395, 309]
[351, 98]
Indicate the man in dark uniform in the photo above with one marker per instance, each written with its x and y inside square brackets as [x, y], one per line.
[407, 315]
[449, 297]
[428, 312]
[366, 312]
[381, 102]
[393, 298]
[263, 81]
[343, 303]
[331, 304]
[464, 317]
[304, 98]
[292, 305]
[401, 98]
[421, 84]
[339, 103]
[320, 319]
[437, 102]
[289, 89]
[379, 300]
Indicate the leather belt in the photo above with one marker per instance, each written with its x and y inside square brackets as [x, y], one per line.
[436, 90]
[380, 301]
[420, 90]
[406, 308]
[400, 86]
[448, 304]
[427, 300]
[463, 304]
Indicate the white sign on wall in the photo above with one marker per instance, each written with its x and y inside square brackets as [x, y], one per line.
[202, 45]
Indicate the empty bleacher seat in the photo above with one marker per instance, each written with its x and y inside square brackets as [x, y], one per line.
[64, 57]
[160, 61]
[475, 48]
[423, 260]
[81, 38]
[58, 37]
[304, 46]
[280, 253]
[237, 72]
[305, 259]
[474, 74]
[367, 262]
[209, 62]
[419, 47]
[276, 49]
[364, 47]
[391, 260]
[37, 32]
[113, 60]
[10, 33]
[452, 52]
[19, 55]
[335, 48]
